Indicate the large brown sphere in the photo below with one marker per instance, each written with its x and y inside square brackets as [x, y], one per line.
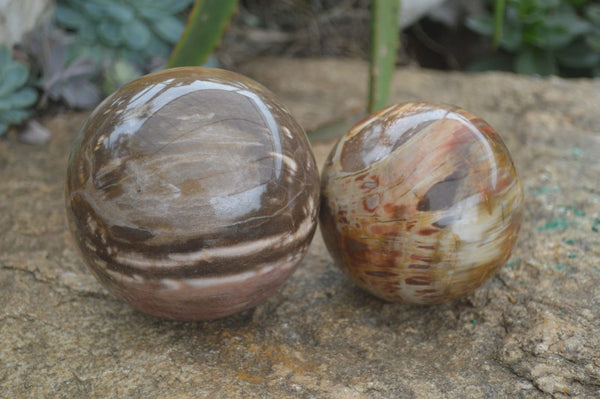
[421, 203]
[192, 193]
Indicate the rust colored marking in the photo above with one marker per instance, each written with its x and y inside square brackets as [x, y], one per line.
[423, 258]
[395, 211]
[392, 256]
[410, 225]
[385, 229]
[356, 249]
[343, 220]
[418, 280]
[427, 232]
[428, 247]
[361, 177]
[341, 217]
[418, 266]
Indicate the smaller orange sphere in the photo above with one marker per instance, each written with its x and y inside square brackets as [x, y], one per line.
[420, 203]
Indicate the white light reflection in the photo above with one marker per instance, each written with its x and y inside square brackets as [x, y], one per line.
[155, 97]
[489, 152]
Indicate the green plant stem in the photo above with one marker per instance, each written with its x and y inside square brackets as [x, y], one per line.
[499, 7]
[207, 22]
[384, 44]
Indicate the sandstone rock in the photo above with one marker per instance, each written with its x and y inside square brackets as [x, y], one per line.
[532, 331]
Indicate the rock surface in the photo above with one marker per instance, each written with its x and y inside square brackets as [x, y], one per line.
[532, 331]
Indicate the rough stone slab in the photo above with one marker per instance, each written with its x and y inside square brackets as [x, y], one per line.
[532, 331]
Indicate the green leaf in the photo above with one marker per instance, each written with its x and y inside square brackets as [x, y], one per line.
[169, 29]
[93, 10]
[593, 40]
[118, 11]
[384, 45]
[13, 77]
[165, 7]
[546, 5]
[550, 38]
[499, 7]
[534, 8]
[87, 33]
[533, 61]
[108, 32]
[69, 18]
[484, 25]
[159, 48]
[205, 27]
[5, 57]
[578, 55]
[14, 116]
[592, 12]
[118, 74]
[560, 29]
[512, 39]
[23, 98]
[135, 35]
[5, 104]
[177, 6]
[150, 13]
[93, 51]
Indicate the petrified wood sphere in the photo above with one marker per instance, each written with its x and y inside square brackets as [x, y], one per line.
[420, 203]
[192, 193]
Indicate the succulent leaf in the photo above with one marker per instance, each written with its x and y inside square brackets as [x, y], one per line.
[23, 98]
[5, 104]
[140, 33]
[14, 116]
[4, 57]
[126, 29]
[15, 96]
[94, 10]
[13, 76]
[135, 34]
[169, 29]
[164, 7]
[69, 17]
[108, 31]
[119, 12]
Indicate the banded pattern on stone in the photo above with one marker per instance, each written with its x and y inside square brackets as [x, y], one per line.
[420, 203]
[192, 193]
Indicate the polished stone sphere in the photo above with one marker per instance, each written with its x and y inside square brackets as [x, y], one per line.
[192, 193]
[420, 203]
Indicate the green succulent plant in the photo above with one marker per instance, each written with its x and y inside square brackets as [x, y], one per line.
[135, 29]
[16, 97]
[125, 39]
[543, 37]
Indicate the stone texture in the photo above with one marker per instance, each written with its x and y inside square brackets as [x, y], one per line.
[531, 331]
